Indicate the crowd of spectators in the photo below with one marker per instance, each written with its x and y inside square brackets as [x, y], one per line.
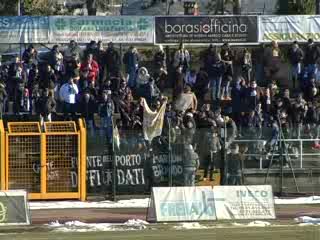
[233, 91]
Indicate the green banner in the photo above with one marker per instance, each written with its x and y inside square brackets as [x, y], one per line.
[117, 29]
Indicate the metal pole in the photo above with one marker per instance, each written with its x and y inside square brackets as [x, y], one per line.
[281, 160]
[19, 8]
[225, 174]
[301, 152]
[317, 6]
[222, 7]
[114, 168]
[170, 158]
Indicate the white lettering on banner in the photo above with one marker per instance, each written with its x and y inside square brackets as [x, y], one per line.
[4, 22]
[74, 179]
[160, 166]
[215, 26]
[254, 194]
[52, 171]
[93, 176]
[124, 177]
[244, 202]
[162, 171]
[128, 160]
[130, 176]
[182, 204]
[92, 161]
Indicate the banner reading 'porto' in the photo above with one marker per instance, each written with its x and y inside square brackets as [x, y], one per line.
[117, 29]
[207, 29]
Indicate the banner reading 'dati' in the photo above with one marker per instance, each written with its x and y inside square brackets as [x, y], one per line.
[244, 202]
[207, 29]
[289, 28]
[117, 29]
[181, 204]
[24, 29]
[14, 208]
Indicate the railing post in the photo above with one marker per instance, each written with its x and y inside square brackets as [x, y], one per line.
[301, 153]
[83, 161]
[2, 155]
[43, 164]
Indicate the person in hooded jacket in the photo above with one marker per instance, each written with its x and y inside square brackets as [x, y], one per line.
[131, 61]
[312, 56]
[234, 168]
[190, 165]
[213, 160]
[159, 60]
[295, 56]
[111, 60]
[253, 96]
[87, 110]
[106, 111]
[47, 106]
[3, 97]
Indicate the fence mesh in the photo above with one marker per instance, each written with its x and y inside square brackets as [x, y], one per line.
[25, 127]
[60, 127]
[24, 163]
[62, 159]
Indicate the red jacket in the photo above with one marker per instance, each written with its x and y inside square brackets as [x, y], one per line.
[91, 74]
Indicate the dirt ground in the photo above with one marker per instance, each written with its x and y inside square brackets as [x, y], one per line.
[95, 215]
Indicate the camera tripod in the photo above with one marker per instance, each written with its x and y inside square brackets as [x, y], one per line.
[283, 157]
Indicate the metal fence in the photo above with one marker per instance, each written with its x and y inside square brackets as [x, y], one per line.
[136, 165]
[42, 159]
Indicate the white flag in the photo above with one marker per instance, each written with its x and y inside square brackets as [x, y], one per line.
[152, 121]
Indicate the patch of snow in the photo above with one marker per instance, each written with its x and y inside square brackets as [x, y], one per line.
[305, 220]
[192, 225]
[302, 200]
[238, 224]
[138, 223]
[55, 224]
[259, 224]
[305, 224]
[252, 224]
[76, 226]
[132, 203]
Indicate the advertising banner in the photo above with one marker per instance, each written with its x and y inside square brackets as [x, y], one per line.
[117, 29]
[24, 29]
[289, 28]
[207, 29]
[14, 209]
[244, 202]
[181, 204]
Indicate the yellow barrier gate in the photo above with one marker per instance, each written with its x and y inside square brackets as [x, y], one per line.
[48, 163]
[2, 155]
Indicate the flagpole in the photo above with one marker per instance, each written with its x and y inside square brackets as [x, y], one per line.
[114, 170]
[170, 158]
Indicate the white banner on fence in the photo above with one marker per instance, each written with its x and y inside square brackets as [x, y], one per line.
[117, 29]
[289, 28]
[14, 208]
[244, 202]
[24, 29]
[181, 204]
